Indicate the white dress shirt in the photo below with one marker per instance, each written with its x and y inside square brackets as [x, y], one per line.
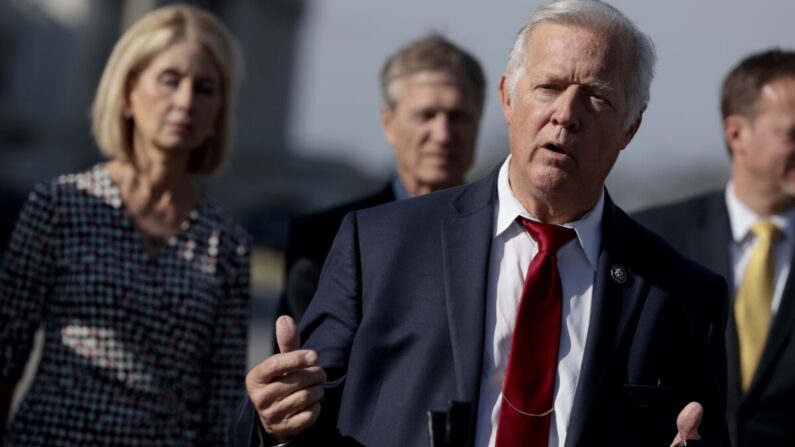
[512, 250]
[741, 218]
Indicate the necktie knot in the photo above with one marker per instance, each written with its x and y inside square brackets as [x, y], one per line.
[766, 230]
[549, 237]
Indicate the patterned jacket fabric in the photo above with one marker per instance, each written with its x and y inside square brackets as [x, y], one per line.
[138, 350]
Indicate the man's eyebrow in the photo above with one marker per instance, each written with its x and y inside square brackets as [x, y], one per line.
[545, 77]
[600, 86]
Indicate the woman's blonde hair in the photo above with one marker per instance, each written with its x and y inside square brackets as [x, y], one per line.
[152, 34]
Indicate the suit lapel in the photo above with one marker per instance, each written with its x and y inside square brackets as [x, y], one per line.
[713, 235]
[779, 332]
[466, 266]
[614, 307]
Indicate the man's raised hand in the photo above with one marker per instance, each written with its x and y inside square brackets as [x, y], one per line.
[286, 388]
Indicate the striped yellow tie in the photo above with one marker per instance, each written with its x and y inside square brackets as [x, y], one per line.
[752, 306]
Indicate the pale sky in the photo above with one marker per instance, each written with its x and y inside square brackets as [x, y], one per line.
[343, 44]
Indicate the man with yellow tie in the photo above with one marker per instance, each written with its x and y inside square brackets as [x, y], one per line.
[746, 232]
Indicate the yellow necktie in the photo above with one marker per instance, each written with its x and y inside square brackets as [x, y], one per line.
[752, 306]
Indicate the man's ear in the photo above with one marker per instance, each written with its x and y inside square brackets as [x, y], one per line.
[505, 98]
[633, 129]
[734, 131]
[387, 118]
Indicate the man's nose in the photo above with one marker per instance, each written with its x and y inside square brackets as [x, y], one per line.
[440, 128]
[565, 111]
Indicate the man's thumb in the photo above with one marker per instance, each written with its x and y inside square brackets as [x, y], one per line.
[688, 421]
[287, 335]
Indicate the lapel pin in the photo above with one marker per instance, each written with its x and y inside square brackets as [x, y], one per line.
[619, 274]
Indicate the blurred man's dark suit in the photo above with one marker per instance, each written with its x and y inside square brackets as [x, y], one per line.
[398, 323]
[308, 245]
[765, 415]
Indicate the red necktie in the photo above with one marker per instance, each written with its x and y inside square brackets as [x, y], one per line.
[526, 408]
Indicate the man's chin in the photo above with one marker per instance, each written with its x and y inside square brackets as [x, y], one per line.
[553, 181]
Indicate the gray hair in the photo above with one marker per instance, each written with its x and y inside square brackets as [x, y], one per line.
[604, 19]
[431, 53]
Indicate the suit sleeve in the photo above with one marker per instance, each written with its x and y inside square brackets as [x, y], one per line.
[330, 324]
[328, 327]
[332, 319]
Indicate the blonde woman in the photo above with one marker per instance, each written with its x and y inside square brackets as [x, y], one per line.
[142, 282]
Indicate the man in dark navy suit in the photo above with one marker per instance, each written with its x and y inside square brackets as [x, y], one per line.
[433, 97]
[533, 269]
[719, 230]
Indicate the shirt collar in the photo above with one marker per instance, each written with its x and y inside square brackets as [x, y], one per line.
[741, 218]
[588, 227]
